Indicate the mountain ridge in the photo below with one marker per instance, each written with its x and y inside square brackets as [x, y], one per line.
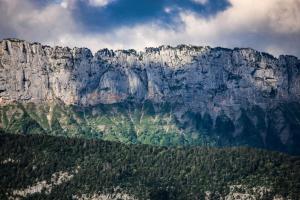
[152, 48]
[238, 93]
[104, 54]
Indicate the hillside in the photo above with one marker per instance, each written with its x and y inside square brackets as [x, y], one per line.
[45, 167]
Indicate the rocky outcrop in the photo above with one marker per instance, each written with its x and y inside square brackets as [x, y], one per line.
[44, 186]
[244, 192]
[217, 77]
[234, 87]
[116, 194]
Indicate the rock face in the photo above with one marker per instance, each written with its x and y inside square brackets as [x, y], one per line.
[239, 92]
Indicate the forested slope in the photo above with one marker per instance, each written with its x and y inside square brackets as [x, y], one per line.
[46, 167]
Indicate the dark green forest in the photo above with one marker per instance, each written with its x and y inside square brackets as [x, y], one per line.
[144, 171]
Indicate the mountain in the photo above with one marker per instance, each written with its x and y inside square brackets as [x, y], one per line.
[43, 167]
[184, 95]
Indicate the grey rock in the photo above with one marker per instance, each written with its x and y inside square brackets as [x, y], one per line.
[217, 81]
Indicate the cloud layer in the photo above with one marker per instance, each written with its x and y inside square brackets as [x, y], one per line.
[270, 25]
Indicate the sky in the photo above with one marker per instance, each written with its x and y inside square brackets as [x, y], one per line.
[272, 26]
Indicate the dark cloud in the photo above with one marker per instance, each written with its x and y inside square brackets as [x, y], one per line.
[132, 12]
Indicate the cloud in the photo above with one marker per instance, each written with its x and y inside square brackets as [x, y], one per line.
[25, 20]
[266, 25]
[99, 3]
[168, 9]
[70, 4]
[273, 28]
[269, 25]
[200, 1]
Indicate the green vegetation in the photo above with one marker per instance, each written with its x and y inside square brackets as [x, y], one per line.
[123, 122]
[157, 124]
[147, 172]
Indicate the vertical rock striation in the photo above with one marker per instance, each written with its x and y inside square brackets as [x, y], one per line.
[245, 93]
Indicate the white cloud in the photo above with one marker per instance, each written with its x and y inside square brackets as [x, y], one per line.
[200, 1]
[24, 20]
[99, 3]
[254, 23]
[68, 4]
[269, 25]
[64, 4]
[168, 9]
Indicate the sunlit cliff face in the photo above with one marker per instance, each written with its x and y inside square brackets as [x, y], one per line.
[234, 87]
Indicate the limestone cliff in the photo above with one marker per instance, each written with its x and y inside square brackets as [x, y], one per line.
[241, 92]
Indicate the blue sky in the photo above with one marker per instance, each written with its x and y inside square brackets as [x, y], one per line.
[270, 25]
[132, 12]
